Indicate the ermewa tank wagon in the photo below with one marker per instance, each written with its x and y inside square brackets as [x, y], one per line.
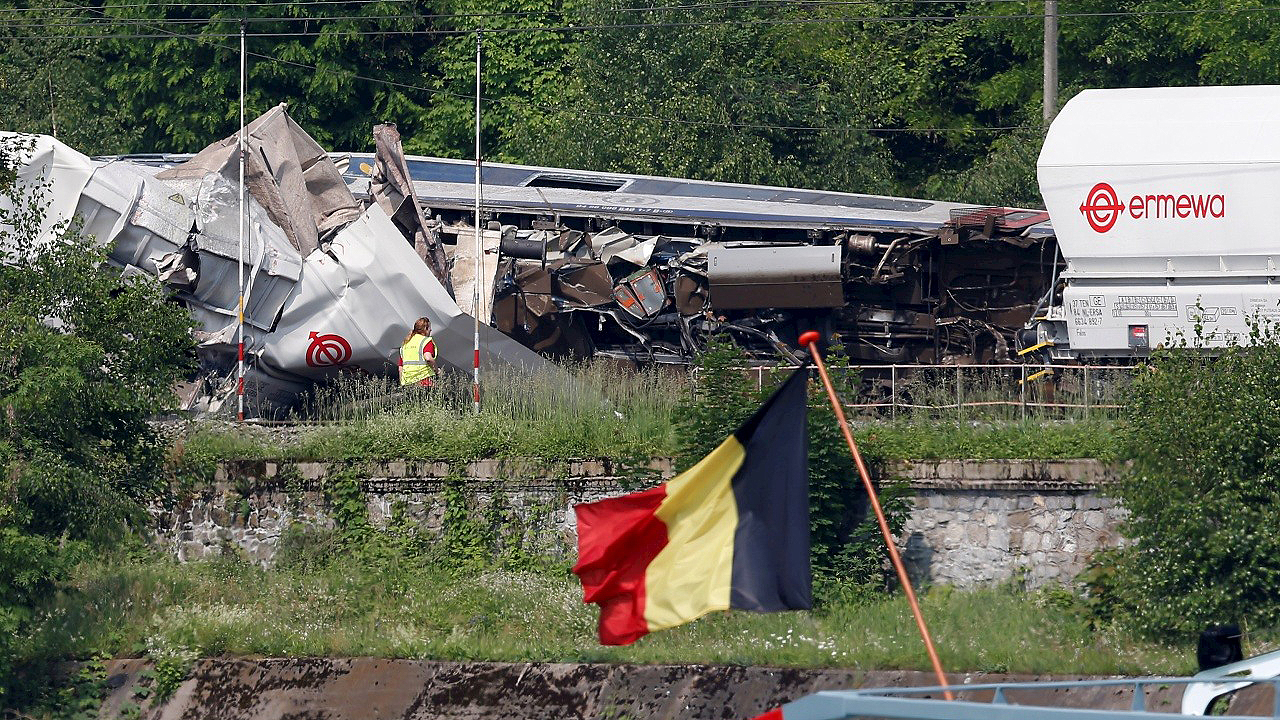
[1164, 202]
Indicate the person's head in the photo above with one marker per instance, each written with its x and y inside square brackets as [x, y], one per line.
[422, 326]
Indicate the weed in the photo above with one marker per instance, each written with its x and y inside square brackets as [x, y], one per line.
[170, 671]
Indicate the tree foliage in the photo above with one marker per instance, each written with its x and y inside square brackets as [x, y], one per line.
[1204, 488]
[848, 553]
[88, 359]
[940, 99]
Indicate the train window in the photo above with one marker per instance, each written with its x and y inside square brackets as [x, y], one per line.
[572, 182]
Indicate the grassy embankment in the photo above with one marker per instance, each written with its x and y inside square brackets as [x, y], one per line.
[407, 597]
[397, 607]
[607, 412]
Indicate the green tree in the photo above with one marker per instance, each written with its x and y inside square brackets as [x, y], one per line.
[52, 84]
[170, 80]
[710, 94]
[181, 85]
[1204, 489]
[88, 358]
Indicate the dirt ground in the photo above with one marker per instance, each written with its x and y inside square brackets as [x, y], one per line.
[378, 689]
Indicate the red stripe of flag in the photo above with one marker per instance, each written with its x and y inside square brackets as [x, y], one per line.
[617, 539]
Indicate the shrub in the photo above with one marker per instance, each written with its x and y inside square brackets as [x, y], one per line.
[87, 357]
[1203, 433]
[847, 548]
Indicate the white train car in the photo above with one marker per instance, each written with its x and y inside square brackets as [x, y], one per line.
[1163, 201]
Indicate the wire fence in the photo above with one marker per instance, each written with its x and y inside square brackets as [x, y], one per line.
[976, 392]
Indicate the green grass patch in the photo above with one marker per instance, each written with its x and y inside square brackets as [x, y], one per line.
[921, 439]
[393, 605]
[593, 410]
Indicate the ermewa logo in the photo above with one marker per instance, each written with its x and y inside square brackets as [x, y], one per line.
[1102, 207]
[327, 350]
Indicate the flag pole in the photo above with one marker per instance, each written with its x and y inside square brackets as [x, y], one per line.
[810, 340]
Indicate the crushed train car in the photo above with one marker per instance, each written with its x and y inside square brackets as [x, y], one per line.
[346, 249]
[332, 283]
[589, 264]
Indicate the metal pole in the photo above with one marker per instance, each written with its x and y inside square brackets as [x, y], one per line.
[959, 409]
[1024, 392]
[1050, 60]
[810, 340]
[1087, 391]
[893, 391]
[479, 249]
[244, 221]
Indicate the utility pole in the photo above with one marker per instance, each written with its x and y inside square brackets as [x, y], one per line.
[1050, 60]
[240, 254]
[479, 249]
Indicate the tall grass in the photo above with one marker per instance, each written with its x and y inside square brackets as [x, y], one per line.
[422, 609]
[590, 410]
[604, 410]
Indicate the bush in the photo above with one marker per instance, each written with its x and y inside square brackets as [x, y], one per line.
[1203, 433]
[848, 554]
[86, 359]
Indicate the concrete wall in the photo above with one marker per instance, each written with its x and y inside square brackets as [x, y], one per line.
[402, 689]
[974, 522]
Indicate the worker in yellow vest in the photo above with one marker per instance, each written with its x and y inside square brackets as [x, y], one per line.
[418, 355]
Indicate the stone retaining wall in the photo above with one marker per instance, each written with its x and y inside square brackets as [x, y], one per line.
[974, 522]
[979, 522]
[250, 505]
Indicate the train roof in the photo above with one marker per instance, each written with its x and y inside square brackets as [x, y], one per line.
[450, 183]
[444, 182]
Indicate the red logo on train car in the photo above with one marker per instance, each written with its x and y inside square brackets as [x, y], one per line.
[1102, 206]
[328, 350]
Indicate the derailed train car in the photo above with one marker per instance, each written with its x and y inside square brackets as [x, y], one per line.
[327, 284]
[645, 268]
[346, 249]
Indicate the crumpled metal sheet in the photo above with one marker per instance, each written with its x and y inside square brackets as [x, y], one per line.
[345, 301]
[638, 254]
[287, 172]
[588, 285]
[273, 265]
[359, 300]
[47, 163]
[137, 217]
[392, 188]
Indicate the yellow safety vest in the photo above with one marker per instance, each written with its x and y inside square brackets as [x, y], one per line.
[413, 369]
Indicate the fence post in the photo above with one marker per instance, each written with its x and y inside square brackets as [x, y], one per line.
[1087, 392]
[1023, 392]
[959, 407]
[893, 391]
[759, 378]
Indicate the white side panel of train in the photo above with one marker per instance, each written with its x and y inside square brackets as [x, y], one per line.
[1100, 318]
[1165, 179]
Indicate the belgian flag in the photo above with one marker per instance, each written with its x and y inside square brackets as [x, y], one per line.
[730, 532]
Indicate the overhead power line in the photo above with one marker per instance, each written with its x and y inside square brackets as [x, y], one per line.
[513, 13]
[845, 20]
